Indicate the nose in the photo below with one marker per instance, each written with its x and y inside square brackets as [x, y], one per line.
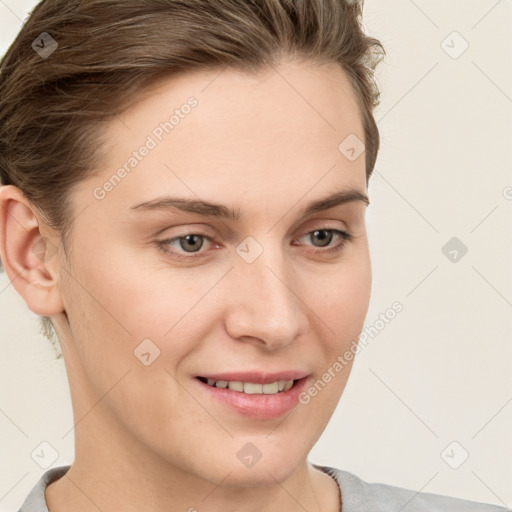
[264, 306]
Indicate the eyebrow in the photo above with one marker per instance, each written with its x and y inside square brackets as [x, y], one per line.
[221, 211]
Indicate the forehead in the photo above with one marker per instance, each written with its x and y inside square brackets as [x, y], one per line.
[225, 132]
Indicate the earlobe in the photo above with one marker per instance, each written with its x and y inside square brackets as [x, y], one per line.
[29, 258]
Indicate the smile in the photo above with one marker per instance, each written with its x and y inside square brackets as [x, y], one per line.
[250, 388]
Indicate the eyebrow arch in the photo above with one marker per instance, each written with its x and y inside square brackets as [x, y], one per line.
[221, 211]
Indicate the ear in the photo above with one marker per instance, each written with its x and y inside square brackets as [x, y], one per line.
[29, 258]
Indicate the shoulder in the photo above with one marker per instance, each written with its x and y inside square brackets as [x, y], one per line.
[359, 495]
[35, 501]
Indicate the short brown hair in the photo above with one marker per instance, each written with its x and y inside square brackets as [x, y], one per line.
[110, 50]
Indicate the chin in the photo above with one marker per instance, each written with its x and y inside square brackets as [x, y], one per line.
[260, 463]
[262, 474]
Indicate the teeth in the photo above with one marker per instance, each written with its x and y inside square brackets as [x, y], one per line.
[235, 385]
[252, 388]
[271, 389]
[287, 384]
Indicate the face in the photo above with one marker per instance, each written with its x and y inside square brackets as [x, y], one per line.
[157, 296]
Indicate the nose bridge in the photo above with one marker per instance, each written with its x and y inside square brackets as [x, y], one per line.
[264, 305]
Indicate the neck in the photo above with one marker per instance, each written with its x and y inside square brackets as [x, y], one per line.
[131, 485]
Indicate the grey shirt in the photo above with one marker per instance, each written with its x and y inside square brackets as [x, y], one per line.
[357, 496]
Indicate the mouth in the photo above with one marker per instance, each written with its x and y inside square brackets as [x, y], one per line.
[252, 388]
[255, 401]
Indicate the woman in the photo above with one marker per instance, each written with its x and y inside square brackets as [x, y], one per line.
[167, 169]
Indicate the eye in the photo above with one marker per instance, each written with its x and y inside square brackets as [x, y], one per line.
[189, 243]
[326, 235]
[192, 243]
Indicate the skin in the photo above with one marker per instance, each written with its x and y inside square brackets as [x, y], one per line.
[146, 438]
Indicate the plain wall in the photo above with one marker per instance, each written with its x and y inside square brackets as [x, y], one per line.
[439, 371]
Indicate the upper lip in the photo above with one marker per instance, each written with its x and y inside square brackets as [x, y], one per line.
[258, 377]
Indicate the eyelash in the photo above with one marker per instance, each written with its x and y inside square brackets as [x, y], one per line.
[164, 244]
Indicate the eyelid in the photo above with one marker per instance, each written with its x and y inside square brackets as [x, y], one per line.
[315, 224]
[345, 235]
[207, 231]
[186, 228]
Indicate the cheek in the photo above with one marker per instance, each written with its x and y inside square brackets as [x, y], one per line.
[341, 298]
[340, 310]
[131, 315]
[127, 294]
[109, 319]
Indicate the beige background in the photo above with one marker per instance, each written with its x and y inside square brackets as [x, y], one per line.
[440, 371]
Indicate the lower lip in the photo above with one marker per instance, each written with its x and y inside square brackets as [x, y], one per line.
[257, 406]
